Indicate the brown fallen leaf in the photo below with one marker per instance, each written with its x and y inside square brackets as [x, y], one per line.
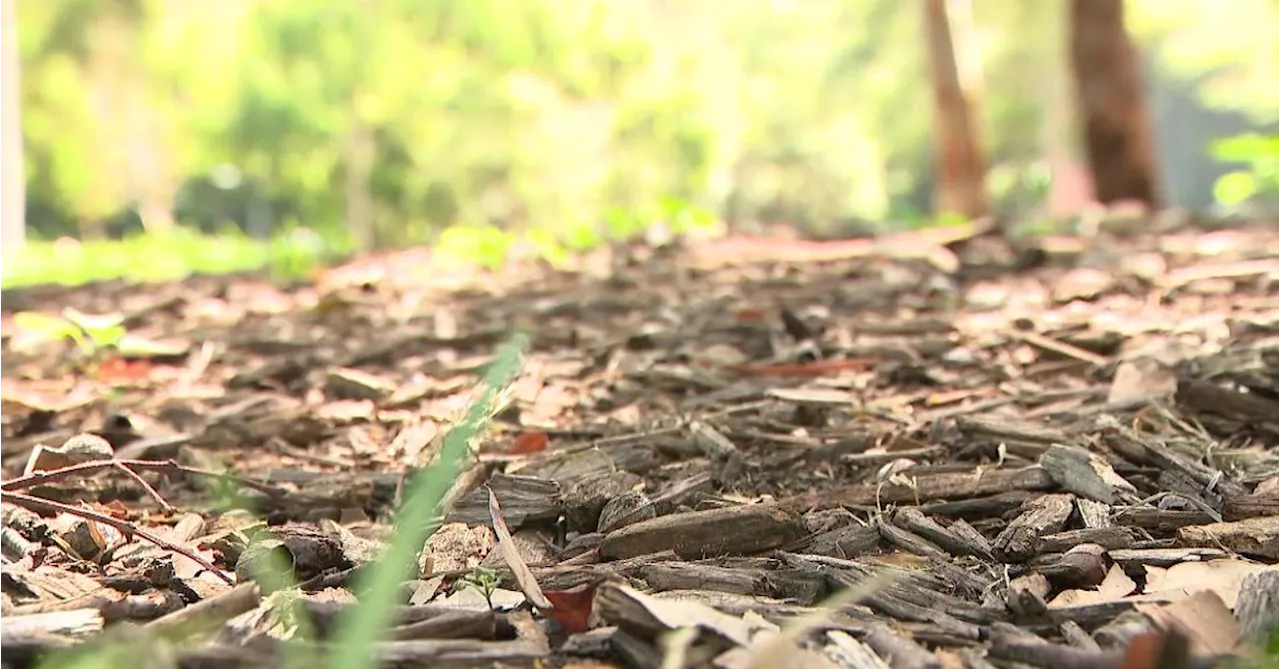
[511, 555]
[1222, 576]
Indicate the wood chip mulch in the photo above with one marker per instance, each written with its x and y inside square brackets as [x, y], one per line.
[935, 449]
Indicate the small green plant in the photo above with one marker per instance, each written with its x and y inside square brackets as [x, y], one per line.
[483, 580]
[92, 335]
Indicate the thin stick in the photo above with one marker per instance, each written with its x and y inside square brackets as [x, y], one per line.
[37, 504]
[146, 487]
[163, 466]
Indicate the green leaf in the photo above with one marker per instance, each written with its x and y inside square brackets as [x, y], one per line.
[1234, 188]
[50, 326]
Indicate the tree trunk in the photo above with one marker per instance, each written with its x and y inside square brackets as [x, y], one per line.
[956, 76]
[360, 157]
[1110, 101]
[13, 187]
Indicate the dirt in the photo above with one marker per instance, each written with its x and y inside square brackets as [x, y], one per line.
[1055, 451]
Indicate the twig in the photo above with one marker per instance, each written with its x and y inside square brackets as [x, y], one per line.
[163, 466]
[37, 504]
[146, 487]
[210, 612]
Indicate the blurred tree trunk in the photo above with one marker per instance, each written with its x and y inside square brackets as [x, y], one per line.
[956, 75]
[1110, 101]
[360, 159]
[13, 225]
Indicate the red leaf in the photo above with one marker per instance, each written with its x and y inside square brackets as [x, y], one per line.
[530, 442]
[750, 315]
[117, 370]
[572, 608]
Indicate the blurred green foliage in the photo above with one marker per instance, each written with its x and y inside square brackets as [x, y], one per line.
[1259, 175]
[551, 123]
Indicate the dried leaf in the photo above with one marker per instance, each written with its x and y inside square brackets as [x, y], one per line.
[529, 442]
[572, 607]
[1116, 585]
[511, 555]
[1220, 576]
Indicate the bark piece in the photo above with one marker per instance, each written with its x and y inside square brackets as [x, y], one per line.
[1026, 649]
[845, 542]
[1084, 566]
[907, 540]
[1258, 504]
[1257, 605]
[734, 530]
[1028, 594]
[1040, 516]
[1208, 397]
[1257, 537]
[524, 499]
[1107, 537]
[929, 487]
[978, 508]
[898, 652]
[961, 542]
[1085, 474]
[804, 587]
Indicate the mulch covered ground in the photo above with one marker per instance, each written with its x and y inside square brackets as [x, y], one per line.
[1053, 452]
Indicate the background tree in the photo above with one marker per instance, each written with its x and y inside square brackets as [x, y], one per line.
[956, 77]
[1112, 105]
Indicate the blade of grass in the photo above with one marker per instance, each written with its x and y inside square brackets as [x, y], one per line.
[361, 626]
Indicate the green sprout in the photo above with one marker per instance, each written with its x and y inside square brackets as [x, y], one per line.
[482, 579]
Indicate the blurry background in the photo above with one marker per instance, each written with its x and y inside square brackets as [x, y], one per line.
[557, 124]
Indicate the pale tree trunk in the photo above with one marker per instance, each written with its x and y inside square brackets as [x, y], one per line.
[360, 150]
[12, 179]
[1110, 102]
[956, 73]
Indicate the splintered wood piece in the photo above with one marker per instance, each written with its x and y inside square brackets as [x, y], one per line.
[647, 617]
[1042, 515]
[1085, 474]
[1207, 397]
[524, 499]
[805, 587]
[355, 384]
[1257, 605]
[980, 508]
[954, 542]
[1107, 537]
[908, 540]
[736, 530]
[900, 652]
[1239, 507]
[1011, 645]
[1094, 515]
[850, 652]
[978, 483]
[847, 541]
[969, 536]
[1028, 594]
[1257, 537]
[1084, 566]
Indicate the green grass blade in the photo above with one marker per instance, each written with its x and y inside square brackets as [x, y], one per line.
[362, 625]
